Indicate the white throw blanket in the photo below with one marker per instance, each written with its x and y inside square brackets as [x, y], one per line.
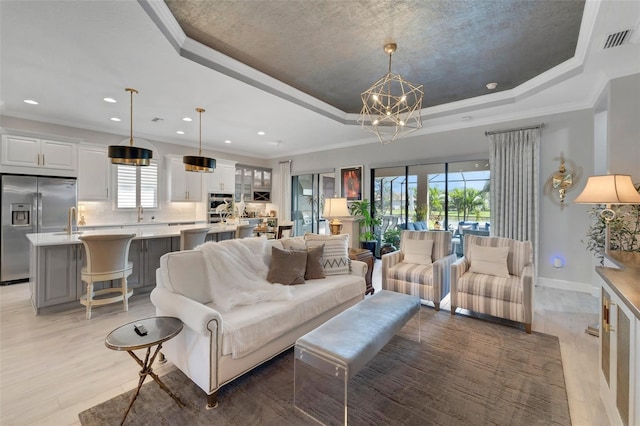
[238, 274]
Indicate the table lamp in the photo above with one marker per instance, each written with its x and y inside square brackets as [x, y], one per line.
[333, 209]
[608, 190]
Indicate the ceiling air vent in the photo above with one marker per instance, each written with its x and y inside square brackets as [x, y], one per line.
[616, 39]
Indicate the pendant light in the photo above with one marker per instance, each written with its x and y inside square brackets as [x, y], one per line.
[199, 163]
[391, 106]
[130, 155]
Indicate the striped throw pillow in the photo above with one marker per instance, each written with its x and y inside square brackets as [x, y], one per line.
[336, 252]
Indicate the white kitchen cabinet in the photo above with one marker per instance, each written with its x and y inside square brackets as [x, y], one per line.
[145, 255]
[223, 178]
[42, 154]
[619, 359]
[182, 185]
[94, 170]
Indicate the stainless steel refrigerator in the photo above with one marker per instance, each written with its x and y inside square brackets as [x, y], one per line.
[30, 204]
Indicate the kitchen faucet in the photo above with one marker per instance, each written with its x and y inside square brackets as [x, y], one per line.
[72, 217]
[140, 213]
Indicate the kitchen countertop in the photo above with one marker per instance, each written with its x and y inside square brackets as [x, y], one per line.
[142, 232]
[626, 280]
[139, 224]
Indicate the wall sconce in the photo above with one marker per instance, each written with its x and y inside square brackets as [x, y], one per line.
[562, 180]
[333, 209]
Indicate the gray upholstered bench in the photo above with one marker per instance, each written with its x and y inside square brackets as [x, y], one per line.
[327, 357]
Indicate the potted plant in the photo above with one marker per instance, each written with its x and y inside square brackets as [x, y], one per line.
[391, 241]
[368, 221]
[624, 230]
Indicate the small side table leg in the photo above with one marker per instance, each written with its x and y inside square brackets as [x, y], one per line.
[148, 371]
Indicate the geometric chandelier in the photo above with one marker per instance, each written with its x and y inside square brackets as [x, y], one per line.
[391, 106]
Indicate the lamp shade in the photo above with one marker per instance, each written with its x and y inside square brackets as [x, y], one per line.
[335, 207]
[609, 189]
[194, 163]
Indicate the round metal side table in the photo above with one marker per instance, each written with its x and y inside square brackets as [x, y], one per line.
[125, 338]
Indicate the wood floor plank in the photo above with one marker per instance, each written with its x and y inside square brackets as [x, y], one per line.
[59, 360]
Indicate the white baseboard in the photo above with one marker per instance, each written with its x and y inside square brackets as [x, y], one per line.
[569, 285]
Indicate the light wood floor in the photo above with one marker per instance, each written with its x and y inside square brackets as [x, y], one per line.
[56, 365]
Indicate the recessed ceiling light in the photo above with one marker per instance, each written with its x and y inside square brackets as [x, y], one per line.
[180, 132]
[187, 119]
[110, 100]
[30, 102]
[492, 86]
[261, 133]
[227, 141]
[115, 119]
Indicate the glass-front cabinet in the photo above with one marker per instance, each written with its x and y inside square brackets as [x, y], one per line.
[253, 183]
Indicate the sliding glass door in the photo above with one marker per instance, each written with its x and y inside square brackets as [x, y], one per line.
[308, 193]
[433, 196]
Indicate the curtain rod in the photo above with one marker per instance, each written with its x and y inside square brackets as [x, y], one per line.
[285, 161]
[539, 126]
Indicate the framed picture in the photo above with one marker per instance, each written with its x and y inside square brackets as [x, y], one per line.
[351, 183]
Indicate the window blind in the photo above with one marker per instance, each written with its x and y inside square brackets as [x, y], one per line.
[137, 186]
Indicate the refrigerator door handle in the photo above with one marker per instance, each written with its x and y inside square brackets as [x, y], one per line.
[38, 205]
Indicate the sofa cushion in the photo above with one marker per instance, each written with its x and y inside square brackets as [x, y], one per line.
[185, 273]
[336, 252]
[489, 260]
[418, 252]
[490, 287]
[519, 251]
[248, 328]
[314, 270]
[293, 243]
[287, 266]
[412, 272]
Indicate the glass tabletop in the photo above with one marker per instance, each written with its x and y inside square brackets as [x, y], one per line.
[159, 329]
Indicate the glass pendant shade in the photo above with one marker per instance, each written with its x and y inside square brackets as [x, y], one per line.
[198, 163]
[130, 155]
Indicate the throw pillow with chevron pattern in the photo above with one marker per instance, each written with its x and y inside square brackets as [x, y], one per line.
[336, 252]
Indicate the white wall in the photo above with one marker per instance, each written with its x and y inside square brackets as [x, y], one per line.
[623, 130]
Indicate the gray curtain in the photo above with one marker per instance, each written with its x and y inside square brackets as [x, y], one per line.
[514, 161]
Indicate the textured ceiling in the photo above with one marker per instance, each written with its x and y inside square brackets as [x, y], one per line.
[332, 50]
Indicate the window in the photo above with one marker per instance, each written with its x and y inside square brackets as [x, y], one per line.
[137, 186]
[450, 194]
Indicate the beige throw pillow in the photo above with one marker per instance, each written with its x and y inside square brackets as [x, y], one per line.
[489, 260]
[336, 252]
[287, 266]
[418, 252]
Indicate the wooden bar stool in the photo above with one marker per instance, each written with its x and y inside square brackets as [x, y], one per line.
[107, 259]
[190, 238]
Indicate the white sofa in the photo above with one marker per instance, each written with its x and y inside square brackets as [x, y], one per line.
[217, 346]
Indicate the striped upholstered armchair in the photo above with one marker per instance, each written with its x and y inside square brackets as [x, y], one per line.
[494, 277]
[421, 266]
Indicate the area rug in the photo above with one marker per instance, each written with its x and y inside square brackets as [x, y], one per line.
[464, 371]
